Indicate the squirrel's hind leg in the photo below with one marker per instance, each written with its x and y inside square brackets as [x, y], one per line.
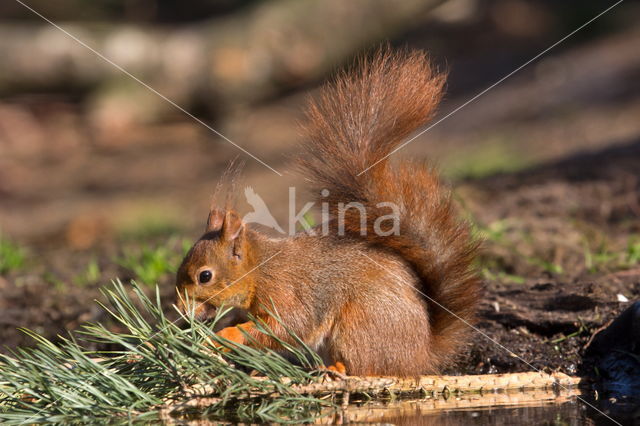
[338, 367]
[384, 335]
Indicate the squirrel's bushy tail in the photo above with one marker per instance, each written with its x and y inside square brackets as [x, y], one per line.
[359, 120]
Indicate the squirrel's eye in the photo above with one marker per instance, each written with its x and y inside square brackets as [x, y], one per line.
[205, 277]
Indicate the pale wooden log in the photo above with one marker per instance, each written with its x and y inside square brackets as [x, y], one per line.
[242, 57]
[443, 384]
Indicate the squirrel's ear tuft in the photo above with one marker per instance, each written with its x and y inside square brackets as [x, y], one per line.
[215, 220]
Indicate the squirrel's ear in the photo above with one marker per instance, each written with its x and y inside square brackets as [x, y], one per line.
[232, 226]
[233, 231]
[215, 220]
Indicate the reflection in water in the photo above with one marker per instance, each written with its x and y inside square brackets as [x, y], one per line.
[516, 408]
[568, 413]
[559, 407]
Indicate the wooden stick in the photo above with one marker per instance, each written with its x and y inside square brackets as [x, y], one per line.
[443, 384]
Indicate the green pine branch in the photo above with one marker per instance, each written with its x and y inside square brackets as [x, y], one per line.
[158, 369]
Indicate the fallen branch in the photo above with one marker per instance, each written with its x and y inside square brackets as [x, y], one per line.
[443, 384]
[433, 385]
[437, 393]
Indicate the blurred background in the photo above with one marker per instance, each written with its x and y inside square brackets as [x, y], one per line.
[100, 177]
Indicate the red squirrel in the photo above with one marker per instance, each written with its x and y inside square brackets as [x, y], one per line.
[371, 301]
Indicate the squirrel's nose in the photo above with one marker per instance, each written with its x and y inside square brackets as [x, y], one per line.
[186, 304]
[203, 311]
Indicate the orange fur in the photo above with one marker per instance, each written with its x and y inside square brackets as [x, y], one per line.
[235, 334]
[377, 305]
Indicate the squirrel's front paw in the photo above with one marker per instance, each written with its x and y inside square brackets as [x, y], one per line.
[235, 334]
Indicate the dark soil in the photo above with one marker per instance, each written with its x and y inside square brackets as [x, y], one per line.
[546, 321]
